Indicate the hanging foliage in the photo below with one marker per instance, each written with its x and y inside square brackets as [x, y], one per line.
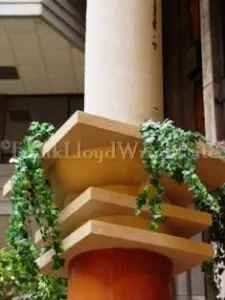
[32, 196]
[167, 151]
[171, 151]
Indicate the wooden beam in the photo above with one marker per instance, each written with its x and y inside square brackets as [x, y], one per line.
[211, 66]
[3, 112]
[188, 58]
[171, 62]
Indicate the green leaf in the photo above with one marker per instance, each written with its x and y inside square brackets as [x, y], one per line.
[31, 196]
[171, 151]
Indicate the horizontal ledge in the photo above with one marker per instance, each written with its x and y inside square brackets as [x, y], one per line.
[11, 2]
[20, 9]
[92, 131]
[94, 235]
[97, 132]
[98, 202]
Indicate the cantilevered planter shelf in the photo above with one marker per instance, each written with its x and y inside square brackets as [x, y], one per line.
[95, 183]
[114, 225]
[99, 135]
[95, 235]
[98, 203]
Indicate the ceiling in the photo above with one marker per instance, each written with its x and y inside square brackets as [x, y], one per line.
[81, 6]
[45, 61]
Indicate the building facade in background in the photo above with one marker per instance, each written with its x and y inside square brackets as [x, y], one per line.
[42, 57]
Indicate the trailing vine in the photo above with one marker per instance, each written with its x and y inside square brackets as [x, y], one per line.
[167, 150]
[18, 283]
[171, 151]
[31, 196]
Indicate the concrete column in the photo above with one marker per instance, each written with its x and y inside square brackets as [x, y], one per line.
[123, 62]
[123, 82]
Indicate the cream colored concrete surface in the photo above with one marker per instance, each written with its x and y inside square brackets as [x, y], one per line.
[123, 60]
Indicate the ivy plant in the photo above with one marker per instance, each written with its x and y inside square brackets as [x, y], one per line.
[171, 151]
[167, 150]
[32, 195]
[18, 283]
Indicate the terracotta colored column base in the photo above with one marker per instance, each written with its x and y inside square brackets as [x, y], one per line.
[120, 274]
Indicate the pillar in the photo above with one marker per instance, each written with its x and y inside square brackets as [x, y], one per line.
[120, 274]
[123, 60]
[123, 82]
